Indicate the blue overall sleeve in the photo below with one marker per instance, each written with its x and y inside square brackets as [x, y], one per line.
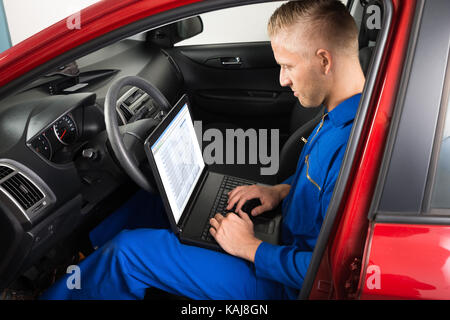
[288, 264]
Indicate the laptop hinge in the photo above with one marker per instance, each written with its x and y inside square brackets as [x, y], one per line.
[191, 203]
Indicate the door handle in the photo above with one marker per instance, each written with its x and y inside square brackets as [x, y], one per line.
[231, 61]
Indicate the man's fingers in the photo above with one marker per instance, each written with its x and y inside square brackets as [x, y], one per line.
[213, 232]
[242, 201]
[232, 192]
[231, 200]
[235, 198]
[216, 221]
[244, 216]
[237, 193]
[219, 217]
[259, 209]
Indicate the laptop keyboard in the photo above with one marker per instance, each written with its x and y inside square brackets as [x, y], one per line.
[220, 204]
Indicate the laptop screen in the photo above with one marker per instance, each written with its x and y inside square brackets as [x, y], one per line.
[179, 160]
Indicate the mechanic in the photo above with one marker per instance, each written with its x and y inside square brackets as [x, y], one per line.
[315, 42]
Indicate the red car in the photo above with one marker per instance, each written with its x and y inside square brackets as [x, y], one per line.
[387, 230]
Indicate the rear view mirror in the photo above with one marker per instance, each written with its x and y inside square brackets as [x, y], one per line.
[170, 34]
[189, 27]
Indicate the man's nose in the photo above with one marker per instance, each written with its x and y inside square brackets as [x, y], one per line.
[285, 81]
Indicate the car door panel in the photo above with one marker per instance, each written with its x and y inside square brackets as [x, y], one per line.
[236, 84]
[407, 262]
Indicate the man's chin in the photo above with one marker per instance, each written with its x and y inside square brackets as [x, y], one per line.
[308, 104]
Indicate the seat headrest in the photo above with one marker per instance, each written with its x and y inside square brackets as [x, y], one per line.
[371, 22]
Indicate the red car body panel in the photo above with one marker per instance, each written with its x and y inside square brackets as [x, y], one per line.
[347, 241]
[410, 261]
[96, 20]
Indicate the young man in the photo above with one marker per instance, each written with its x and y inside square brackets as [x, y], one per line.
[315, 43]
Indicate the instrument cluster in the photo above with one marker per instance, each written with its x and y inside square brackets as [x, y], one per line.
[61, 134]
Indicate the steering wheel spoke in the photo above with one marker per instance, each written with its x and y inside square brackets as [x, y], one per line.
[127, 141]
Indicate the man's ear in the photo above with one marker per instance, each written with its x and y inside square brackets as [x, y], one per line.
[324, 60]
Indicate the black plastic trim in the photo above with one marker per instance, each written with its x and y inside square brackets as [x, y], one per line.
[406, 177]
[412, 218]
[398, 110]
[426, 204]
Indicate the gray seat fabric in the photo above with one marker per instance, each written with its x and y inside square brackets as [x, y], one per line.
[293, 147]
[365, 56]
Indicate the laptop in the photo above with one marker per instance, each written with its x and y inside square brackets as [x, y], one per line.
[191, 193]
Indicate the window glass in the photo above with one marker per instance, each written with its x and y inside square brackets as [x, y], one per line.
[440, 198]
[236, 25]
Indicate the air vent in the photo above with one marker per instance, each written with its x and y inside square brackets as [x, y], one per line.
[131, 105]
[5, 171]
[126, 113]
[22, 190]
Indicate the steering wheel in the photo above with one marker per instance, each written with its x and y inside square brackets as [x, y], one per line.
[127, 141]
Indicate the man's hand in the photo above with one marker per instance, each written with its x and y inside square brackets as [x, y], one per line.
[234, 233]
[270, 197]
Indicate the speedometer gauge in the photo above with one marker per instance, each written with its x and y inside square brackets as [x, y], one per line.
[42, 145]
[65, 130]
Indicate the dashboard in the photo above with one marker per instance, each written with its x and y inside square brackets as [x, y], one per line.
[57, 169]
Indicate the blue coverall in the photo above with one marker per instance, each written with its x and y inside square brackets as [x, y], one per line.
[150, 255]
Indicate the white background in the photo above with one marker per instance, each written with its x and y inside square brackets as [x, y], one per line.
[27, 17]
[240, 24]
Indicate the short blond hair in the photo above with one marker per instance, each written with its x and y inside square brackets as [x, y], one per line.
[328, 20]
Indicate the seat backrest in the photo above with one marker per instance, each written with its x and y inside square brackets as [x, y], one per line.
[365, 56]
[293, 147]
[300, 116]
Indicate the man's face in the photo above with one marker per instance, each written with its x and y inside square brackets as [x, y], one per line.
[301, 71]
